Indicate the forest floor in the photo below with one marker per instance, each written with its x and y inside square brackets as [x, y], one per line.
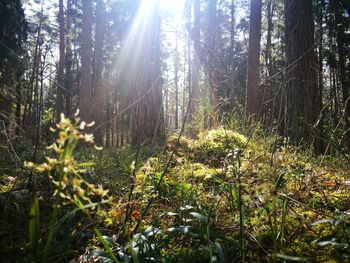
[223, 197]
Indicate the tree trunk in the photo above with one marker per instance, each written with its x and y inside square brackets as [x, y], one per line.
[18, 108]
[147, 118]
[339, 21]
[232, 52]
[61, 62]
[166, 99]
[212, 42]
[252, 99]
[176, 80]
[303, 97]
[269, 89]
[321, 145]
[86, 65]
[194, 95]
[108, 117]
[98, 65]
[27, 114]
[189, 68]
[68, 60]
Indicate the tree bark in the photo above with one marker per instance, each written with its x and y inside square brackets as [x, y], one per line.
[232, 52]
[147, 118]
[212, 42]
[339, 22]
[98, 86]
[61, 62]
[68, 81]
[253, 79]
[86, 64]
[176, 80]
[196, 57]
[303, 97]
[270, 6]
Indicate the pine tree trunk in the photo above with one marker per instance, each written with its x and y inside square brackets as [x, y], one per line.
[339, 21]
[86, 64]
[98, 59]
[212, 39]
[269, 89]
[68, 81]
[253, 80]
[303, 97]
[147, 118]
[194, 94]
[176, 80]
[61, 62]
[27, 114]
[232, 52]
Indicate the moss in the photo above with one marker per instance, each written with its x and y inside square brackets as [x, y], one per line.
[213, 146]
[200, 171]
[183, 148]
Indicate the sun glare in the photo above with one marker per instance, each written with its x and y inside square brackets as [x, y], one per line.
[175, 6]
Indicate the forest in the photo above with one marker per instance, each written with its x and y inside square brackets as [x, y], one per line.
[174, 131]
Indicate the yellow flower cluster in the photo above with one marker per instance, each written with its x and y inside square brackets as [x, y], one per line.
[65, 172]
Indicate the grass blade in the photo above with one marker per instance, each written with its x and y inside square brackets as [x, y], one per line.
[34, 227]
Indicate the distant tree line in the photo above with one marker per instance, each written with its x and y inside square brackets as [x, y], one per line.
[284, 64]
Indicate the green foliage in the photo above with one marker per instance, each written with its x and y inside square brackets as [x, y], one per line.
[34, 227]
[71, 190]
[338, 238]
[256, 185]
[223, 198]
[13, 28]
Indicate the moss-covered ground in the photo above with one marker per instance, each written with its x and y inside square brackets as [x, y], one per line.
[223, 197]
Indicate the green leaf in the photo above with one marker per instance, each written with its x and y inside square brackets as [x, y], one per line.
[86, 164]
[220, 252]
[172, 214]
[34, 227]
[291, 258]
[200, 217]
[327, 240]
[108, 240]
[186, 207]
[323, 221]
[184, 229]
[105, 245]
[152, 231]
[101, 255]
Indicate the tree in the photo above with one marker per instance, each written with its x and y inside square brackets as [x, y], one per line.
[231, 54]
[13, 34]
[252, 90]
[212, 60]
[196, 35]
[344, 80]
[98, 59]
[61, 62]
[303, 107]
[270, 6]
[147, 118]
[176, 80]
[68, 59]
[29, 118]
[86, 63]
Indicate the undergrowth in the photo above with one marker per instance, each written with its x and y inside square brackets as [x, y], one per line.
[223, 197]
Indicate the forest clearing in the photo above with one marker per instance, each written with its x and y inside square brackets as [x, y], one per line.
[174, 131]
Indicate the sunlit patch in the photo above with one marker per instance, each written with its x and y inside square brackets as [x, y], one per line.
[135, 43]
[175, 6]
